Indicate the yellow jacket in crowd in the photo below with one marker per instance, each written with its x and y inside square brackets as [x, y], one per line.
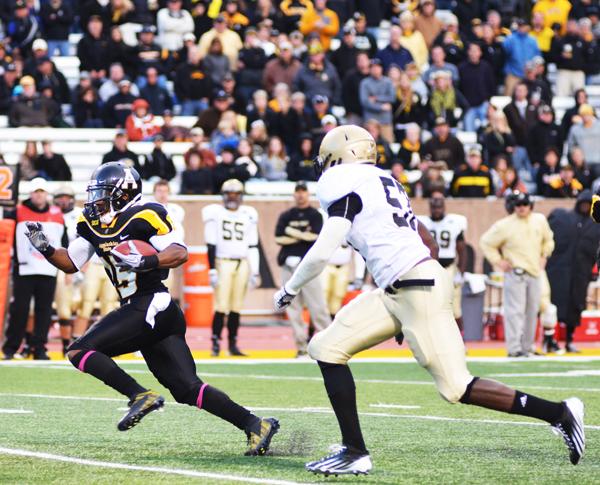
[309, 20]
[555, 11]
[521, 241]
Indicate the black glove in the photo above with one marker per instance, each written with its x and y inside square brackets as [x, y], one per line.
[399, 338]
[39, 240]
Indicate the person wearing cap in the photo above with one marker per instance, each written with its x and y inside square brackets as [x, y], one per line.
[31, 109]
[229, 39]
[39, 50]
[318, 76]
[93, 49]
[173, 22]
[472, 179]
[22, 28]
[452, 40]
[119, 106]
[46, 72]
[320, 20]
[545, 133]
[585, 134]
[57, 17]
[209, 119]
[427, 22]
[443, 146]
[519, 246]
[8, 81]
[394, 52]
[344, 57]
[537, 85]
[281, 69]
[53, 165]
[570, 266]
[193, 86]
[519, 48]
[33, 277]
[149, 53]
[570, 55]
[364, 40]
[296, 231]
[251, 64]
[120, 151]
[141, 124]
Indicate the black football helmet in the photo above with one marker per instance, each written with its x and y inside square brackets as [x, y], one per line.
[114, 186]
[515, 198]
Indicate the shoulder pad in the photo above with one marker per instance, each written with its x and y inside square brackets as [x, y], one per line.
[209, 212]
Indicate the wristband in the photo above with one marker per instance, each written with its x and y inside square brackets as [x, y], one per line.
[150, 262]
[48, 252]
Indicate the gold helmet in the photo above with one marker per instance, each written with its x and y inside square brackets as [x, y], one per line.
[345, 144]
[232, 191]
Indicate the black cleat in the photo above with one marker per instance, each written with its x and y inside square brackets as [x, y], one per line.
[216, 347]
[139, 406]
[258, 444]
[235, 351]
[551, 346]
[571, 349]
[342, 462]
[570, 427]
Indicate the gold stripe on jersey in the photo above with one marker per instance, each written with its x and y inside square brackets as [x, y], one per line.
[148, 215]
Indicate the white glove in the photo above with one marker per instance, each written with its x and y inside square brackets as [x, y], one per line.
[459, 279]
[282, 299]
[213, 277]
[254, 281]
[134, 261]
[37, 238]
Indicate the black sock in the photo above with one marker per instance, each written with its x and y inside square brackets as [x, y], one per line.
[233, 324]
[220, 404]
[341, 390]
[534, 407]
[217, 324]
[104, 368]
[66, 342]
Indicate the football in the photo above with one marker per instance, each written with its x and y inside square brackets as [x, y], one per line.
[144, 248]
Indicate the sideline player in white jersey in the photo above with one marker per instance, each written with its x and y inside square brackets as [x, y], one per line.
[448, 230]
[372, 212]
[231, 235]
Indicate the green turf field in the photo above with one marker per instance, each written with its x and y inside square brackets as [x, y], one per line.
[413, 436]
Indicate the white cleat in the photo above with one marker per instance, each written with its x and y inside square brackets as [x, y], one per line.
[342, 462]
[570, 427]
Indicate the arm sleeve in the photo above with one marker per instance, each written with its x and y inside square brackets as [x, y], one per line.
[331, 237]
[161, 243]
[347, 207]
[254, 260]
[80, 251]
[212, 255]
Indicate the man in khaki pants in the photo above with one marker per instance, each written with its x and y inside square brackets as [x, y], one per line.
[519, 245]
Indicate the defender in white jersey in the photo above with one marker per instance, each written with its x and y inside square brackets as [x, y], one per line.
[371, 211]
[448, 230]
[231, 234]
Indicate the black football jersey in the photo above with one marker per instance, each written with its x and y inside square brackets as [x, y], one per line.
[140, 222]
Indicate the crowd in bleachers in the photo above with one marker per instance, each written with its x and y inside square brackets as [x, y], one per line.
[265, 80]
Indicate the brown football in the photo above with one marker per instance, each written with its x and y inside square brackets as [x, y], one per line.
[142, 247]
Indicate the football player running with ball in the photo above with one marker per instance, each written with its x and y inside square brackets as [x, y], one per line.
[147, 320]
[371, 211]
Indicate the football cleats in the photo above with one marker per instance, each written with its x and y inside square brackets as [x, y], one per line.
[345, 144]
[232, 191]
[113, 188]
[342, 461]
[571, 428]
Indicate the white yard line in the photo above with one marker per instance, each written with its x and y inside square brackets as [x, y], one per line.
[152, 469]
[394, 406]
[317, 410]
[15, 411]
[567, 373]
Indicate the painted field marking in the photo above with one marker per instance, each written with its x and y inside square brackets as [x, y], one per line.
[15, 411]
[393, 406]
[152, 469]
[567, 373]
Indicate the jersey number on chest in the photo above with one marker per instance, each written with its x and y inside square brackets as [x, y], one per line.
[233, 231]
[443, 238]
[394, 192]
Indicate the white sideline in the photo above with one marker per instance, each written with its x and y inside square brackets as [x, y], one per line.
[15, 411]
[317, 410]
[153, 469]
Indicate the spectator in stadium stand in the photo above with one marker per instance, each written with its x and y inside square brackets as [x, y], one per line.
[570, 265]
[239, 102]
[140, 124]
[89, 8]
[157, 164]
[292, 11]
[122, 53]
[363, 40]
[157, 96]
[224, 137]
[320, 108]
[120, 151]
[228, 169]
[259, 109]
[301, 164]
[571, 116]
[57, 17]
[496, 22]
[443, 146]
[592, 48]
[93, 50]
[210, 117]
[581, 170]
[122, 12]
[148, 53]
[537, 86]
[282, 68]
[586, 135]
[52, 165]
[295, 121]
[318, 76]
[555, 11]
[200, 146]
[569, 53]
[27, 161]
[8, 81]
[398, 172]
[545, 133]
[519, 48]
[235, 19]
[413, 40]
[47, 73]
[493, 52]
[567, 186]
[118, 107]
[343, 8]
[478, 85]
[451, 40]
[466, 11]
[432, 179]
[111, 86]
[384, 152]
[548, 175]
[192, 86]
[87, 110]
[394, 52]
[299, 48]
[542, 33]
[39, 50]
[273, 165]
[376, 97]
[230, 41]
[445, 100]
[267, 36]
[497, 138]
[508, 181]
[30, 108]
[521, 116]
[265, 11]
[23, 27]
[215, 63]
[472, 179]
[173, 22]
[438, 63]
[427, 22]
[251, 67]
[245, 157]
[410, 147]
[202, 22]
[351, 89]
[320, 20]
[344, 57]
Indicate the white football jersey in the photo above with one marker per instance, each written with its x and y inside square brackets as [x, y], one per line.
[384, 232]
[446, 232]
[232, 232]
[71, 219]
